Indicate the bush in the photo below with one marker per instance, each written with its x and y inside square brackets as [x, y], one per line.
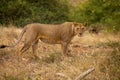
[98, 11]
[21, 12]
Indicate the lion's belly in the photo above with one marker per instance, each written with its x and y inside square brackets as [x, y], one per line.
[50, 41]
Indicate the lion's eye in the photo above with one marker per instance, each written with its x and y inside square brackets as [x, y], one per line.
[77, 28]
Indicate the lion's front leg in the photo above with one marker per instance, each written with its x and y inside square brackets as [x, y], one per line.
[64, 46]
[69, 48]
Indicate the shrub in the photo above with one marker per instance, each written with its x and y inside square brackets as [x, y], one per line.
[98, 11]
[21, 12]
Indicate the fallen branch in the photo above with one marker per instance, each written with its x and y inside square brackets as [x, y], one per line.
[81, 76]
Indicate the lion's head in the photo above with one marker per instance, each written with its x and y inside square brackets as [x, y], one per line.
[79, 28]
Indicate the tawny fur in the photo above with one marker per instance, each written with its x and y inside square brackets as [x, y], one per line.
[52, 34]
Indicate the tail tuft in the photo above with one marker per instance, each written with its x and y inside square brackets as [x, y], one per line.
[3, 46]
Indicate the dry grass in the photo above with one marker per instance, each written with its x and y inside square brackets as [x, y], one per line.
[88, 51]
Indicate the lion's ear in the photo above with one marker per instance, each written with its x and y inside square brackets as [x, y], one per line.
[85, 23]
[75, 24]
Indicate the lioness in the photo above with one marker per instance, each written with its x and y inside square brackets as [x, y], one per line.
[52, 34]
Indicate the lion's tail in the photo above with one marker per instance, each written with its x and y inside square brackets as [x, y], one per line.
[19, 39]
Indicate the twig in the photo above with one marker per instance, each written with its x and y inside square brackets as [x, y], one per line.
[82, 75]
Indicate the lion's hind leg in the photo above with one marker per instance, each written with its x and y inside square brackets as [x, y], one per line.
[24, 48]
[30, 38]
[34, 48]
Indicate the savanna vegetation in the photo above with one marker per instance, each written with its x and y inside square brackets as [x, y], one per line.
[22, 12]
[99, 11]
[101, 51]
